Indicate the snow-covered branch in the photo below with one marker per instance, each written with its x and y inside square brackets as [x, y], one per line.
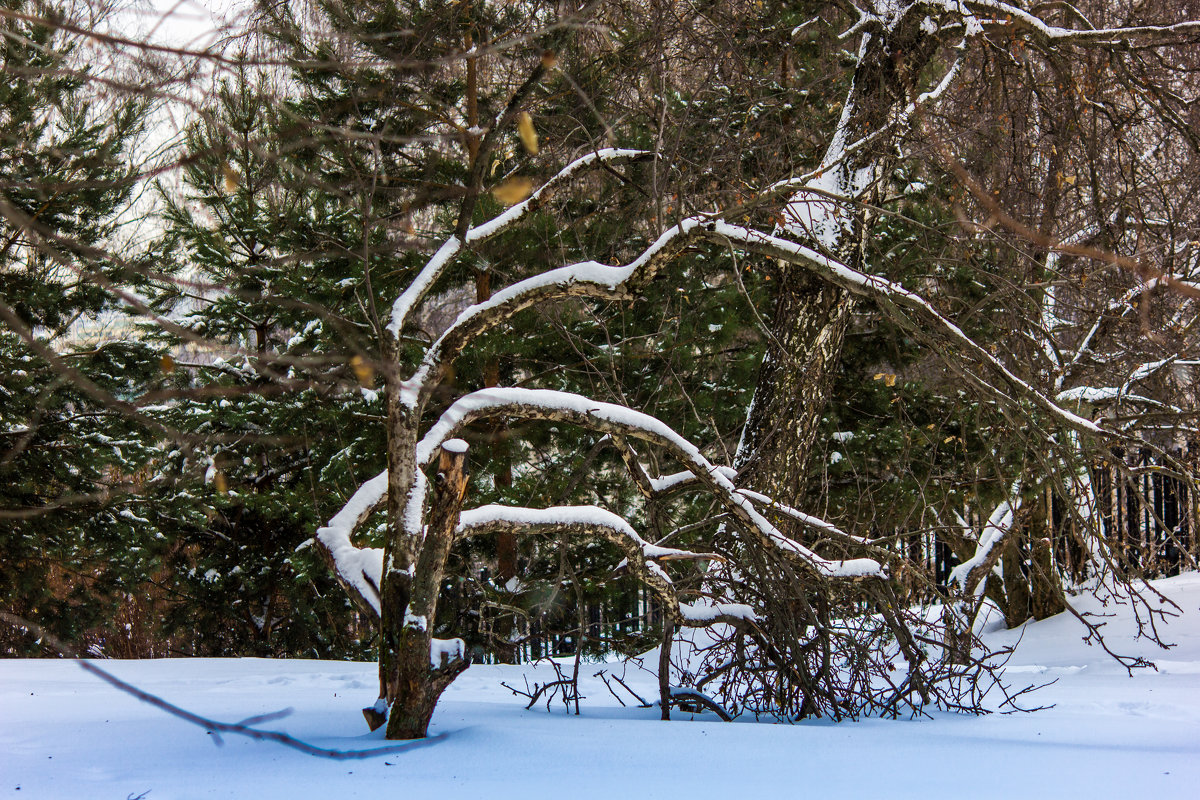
[590, 520]
[444, 257]
[703, 614]
[678, 481]
[899, 302]
[971, 575]
[621, 421]
[839, 151]
[1008, 15]
[358, 570]
[580, 521]
[584, 279]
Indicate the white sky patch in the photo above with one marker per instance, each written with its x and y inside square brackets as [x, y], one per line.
[187, 24]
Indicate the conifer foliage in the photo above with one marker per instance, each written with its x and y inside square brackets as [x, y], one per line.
[72, 450]
[492, 312]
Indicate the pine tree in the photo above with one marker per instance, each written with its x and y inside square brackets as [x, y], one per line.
[270, 376]
[72, 449]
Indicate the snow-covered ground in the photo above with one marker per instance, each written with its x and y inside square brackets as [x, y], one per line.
[65, 734]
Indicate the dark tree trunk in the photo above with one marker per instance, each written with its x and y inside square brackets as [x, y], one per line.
[1045, 586]
[811, 316]
[1016, 580]
[412, 685]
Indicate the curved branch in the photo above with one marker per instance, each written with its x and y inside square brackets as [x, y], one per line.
[705, 616]
[608, 418]
[971, 575]
[1014, 16]
[584, 279]
[895, 299]
[441, 260]
[580, 521]
[358, 570]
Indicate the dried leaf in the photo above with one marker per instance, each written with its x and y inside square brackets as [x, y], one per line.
[232, 179]
[166, 363]
[513, 190]
[549, 59]
[220, 483]
[529, 137]
[363, 371]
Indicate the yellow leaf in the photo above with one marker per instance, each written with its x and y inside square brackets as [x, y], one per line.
[888, 378]
[232, 179]
[167, 363]
[529, 136]
[513, 190]
[362, 371]
[220, 483]
[948, 439]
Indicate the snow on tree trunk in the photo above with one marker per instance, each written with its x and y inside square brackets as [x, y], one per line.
[414, 680]
[811, 314]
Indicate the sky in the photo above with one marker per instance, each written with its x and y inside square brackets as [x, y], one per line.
[192, 24]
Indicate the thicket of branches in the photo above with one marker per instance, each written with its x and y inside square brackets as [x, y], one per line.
[824, 326]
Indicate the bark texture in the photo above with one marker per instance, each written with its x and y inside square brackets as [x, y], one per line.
[412, 683]
[794, 382]
[811, 314]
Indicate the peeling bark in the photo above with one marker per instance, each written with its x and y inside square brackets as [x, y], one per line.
[412, 683]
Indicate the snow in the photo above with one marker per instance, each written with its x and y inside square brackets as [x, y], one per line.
[414, 506]
[446, 650]
[362, 568]
[546, 403]
[562, 516]
[1002, 9]
[994, 531]
[1089, 394]
[64, 733]
[706, 612]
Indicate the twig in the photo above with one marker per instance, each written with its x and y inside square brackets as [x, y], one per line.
[211, 725]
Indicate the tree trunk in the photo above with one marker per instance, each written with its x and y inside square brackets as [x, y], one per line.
[412, 685]
[418, 685]
[793, 386]
[1016, 581]
[396, 582]
[1045, 586]
[664, 665]
[811, 315]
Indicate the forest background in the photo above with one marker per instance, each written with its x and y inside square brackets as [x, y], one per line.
[913, 279]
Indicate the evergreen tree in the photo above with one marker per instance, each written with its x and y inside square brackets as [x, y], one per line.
[72, 449]
[270, 376]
